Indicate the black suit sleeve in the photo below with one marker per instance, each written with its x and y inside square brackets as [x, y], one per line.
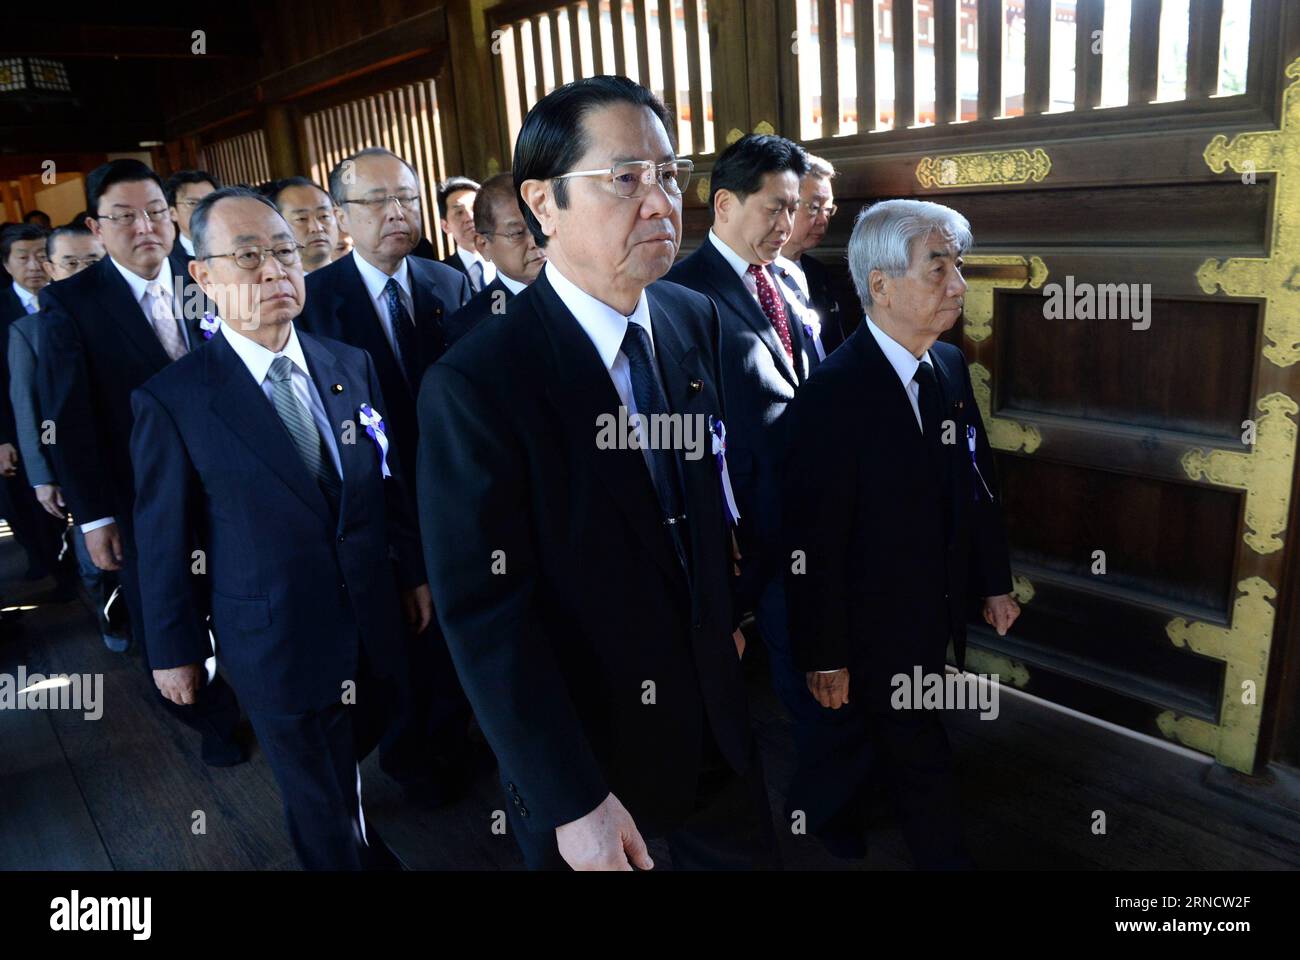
[165, 505]
[819, 494]
[63, 385]
[482, 558]
[399, 504]
[8, 426]
[990, 563]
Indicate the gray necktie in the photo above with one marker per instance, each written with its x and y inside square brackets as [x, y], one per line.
[476, 276]
[302, 429]
[164, 321]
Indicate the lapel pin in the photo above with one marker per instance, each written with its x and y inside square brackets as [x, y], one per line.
[959, 404]
[337, 388]
[697, 386]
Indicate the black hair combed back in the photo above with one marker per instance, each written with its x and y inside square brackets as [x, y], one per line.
[743, 165]
[552, 138]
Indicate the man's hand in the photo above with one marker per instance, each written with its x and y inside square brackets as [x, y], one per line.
[1000, 612]
[180, 684]
[417, 605]
[830, 689]
[605, 839]
[738, 638]
[50, 497]
[105, 547]
[735, 555]
[8, 460]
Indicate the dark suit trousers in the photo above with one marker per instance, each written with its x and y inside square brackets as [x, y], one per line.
[215, 711]
[730, 827]
[433, 720]
[904, 752]
[315, 758]
[39, 534]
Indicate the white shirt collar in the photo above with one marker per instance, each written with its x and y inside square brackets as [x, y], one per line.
[604, 325]
[468, 256]
[138, 284]
[258, 359]
[738, 263]
[186, 243]
[375, 279]
[514, 286]
[899, 357]
[25, 296]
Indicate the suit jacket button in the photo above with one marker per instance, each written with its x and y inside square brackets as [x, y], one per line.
[340, 538]
[523, 811]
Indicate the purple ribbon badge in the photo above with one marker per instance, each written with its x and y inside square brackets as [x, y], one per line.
[970, 443]
[373, 421]
[209, 325]
[719, 434]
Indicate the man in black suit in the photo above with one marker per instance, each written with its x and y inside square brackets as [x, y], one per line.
[310, 212]
[893, 518]
[106, 331]
[582, 577]
[766, 352]
[253, 452]
[804, 272]
[394, 306]
[185, 189]
[22, 252]
[456, 200]
[504, 239]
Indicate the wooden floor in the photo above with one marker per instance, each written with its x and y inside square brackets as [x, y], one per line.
[125, 791]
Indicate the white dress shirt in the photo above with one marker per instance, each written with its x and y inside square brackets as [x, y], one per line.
[375, 281]
[140, 293]
[26, 298]
[904, 364]
[514, 286]
[258, 360]
[469, 258]
[186, 243]
[812, 323]
[605, 327]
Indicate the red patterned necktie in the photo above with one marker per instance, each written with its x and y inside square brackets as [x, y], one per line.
[773, 308]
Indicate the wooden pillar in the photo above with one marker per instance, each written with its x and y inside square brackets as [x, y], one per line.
[286, 141]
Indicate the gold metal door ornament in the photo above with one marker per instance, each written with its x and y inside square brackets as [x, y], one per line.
[997, 168]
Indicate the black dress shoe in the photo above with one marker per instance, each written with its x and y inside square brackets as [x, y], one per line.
[223, 753]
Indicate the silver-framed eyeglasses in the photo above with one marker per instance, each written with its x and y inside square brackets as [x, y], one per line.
[131, 216]
[635, 178]
[252, 258]
[407, 201]
[815, 210]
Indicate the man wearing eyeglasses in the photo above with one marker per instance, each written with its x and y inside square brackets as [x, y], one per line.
[803, 272]
[394, 306]
[243, 455]
[584, 586]
[106, 331]
[184, 190]
[504, 239]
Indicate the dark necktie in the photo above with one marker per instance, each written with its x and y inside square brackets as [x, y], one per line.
[773, 307]
[404, 333]
[650, 400]
[304, 433]
[931, 407]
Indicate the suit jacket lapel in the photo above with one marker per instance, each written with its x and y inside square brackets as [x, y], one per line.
[680, 363]
[582, 391]
[340, 407]
[429, 313]
[251, 417]
[731, 288]
[117, 301]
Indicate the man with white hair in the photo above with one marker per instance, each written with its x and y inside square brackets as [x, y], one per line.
[891, 499]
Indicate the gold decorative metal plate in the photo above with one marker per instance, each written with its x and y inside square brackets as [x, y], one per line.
[977, 313]
[1022, 589]
[1264, 473]
[997, 168]
[702, 188]
[1276, 279]
[1243, 647]
[1003, 434]
[764, 127]
[733, 135]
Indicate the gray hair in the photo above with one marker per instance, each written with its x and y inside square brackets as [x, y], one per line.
[884, 233]
[819, 169]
